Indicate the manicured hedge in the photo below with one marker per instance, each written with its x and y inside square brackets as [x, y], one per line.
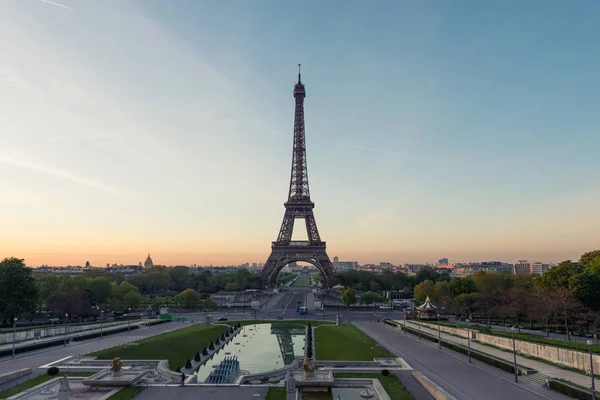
[34, 346]
[104, 333]
[569, 390]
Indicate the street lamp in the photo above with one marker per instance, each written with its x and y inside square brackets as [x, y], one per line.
[512, 329]
[66, 328]
[14, 335]
[101, 323]
[405, 321]
[439, 335]
[128, 319]
[419, 324]
[469, 339]
[589, 343]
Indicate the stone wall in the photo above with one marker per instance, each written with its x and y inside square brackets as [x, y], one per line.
[35, 334]
[557, 355]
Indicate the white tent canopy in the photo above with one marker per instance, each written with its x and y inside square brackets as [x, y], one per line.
[428, 305]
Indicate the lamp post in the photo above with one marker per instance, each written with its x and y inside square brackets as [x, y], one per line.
[419, 323]
[66, 328]
[512, 329]
[101, 323]
[439, 334]
[14, 336]
[128, 319]
[589, 343]
[469, 339]
[405, 321]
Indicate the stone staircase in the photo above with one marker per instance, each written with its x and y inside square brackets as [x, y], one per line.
[535, 378]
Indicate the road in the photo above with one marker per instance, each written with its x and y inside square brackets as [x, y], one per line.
[452, 372]
[40, 357]
[284, 305]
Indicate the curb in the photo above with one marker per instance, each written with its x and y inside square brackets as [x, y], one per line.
[436, 391]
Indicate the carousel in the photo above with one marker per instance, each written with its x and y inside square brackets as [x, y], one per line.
[427, 310]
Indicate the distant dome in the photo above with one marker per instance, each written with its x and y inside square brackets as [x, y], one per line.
[148, 263]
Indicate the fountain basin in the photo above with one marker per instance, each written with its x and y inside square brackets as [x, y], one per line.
[106, 378]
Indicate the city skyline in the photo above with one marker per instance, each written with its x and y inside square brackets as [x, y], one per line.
[431, 131]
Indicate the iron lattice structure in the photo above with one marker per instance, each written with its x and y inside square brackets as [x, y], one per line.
[298, 206]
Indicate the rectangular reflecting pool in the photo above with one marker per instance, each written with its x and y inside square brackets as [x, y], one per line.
[260, 348]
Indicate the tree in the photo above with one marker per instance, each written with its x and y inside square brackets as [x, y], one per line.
[585, 287]
[18, 290]
[369, 298]
[590, 259]
[349, 297]
[558, 277]
[424, 274]
[188, 298]
[424, 289]
[566, 305]
[133, 299]
[543, 306]
[374, 286]
[66, 283]
[101, 289]
[458, 286]
[125, 288]
[74, 303]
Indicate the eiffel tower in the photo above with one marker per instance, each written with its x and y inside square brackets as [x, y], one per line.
[285, 250]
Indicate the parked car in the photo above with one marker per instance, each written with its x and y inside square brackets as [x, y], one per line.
[279, 317]
[221, 319]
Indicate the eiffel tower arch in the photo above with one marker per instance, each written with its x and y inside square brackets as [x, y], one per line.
[298, 206]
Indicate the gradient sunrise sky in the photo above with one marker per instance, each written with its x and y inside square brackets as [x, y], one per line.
[462, 129]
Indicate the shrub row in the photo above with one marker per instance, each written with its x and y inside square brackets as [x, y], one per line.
[569, 390]
[309, 341]
[34, 346]
[60, 340]
[104, 333]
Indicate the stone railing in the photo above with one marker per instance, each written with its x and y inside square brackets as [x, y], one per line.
[554, 354]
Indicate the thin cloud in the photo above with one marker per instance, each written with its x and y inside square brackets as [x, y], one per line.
[56, 4]
[59, 173]
[356, 146]
[99, 136]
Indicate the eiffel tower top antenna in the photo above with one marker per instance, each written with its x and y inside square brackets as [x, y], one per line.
[299, 81]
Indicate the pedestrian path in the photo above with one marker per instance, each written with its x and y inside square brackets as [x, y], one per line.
[67, 338]
[540, 367]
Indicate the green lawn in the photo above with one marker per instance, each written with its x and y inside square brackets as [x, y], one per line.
[347, 343]
[5, 394]
[127, 393]
[275, 393]
[392, 385]
[176, 346]
[303, 281]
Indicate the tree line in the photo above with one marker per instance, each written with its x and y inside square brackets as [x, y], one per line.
[23, 293]
[565, 296]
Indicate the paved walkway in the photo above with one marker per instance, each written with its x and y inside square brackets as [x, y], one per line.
[502, 328]
[203, 392]
[540, 367]
[105, 330]
[36, 358]
[451, 371]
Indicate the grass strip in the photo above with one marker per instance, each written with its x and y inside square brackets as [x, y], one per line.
[347, 343]
[392, 385]
[276, 393]
[28, 384]
[126, 393]
[177, 346]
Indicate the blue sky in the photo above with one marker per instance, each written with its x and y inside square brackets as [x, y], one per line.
[464, 129]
